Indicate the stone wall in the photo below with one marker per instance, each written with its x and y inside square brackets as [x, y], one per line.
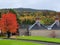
[44, 33]
[22, 32]
[39, 32]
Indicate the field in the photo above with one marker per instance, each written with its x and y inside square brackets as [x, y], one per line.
[29, 40]
[40, 38]
[16, 42]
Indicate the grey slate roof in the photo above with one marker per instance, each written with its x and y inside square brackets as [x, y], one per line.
[55, 27]
[36, 27]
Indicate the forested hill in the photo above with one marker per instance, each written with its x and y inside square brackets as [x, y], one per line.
[32, 10]
[31, 14]
[20, 11]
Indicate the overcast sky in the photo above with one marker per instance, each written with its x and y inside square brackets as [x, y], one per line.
[35, 4]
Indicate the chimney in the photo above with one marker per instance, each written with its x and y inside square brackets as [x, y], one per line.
[57, 21]
[38, 20]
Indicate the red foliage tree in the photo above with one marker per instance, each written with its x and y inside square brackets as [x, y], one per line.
[0, 24]
[9, 22]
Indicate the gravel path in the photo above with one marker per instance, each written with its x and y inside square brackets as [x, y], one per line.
[46, 43]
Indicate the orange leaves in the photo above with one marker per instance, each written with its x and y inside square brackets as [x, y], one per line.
[0, 24]
[9, 22]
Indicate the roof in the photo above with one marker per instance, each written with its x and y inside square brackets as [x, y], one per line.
[55, 27]
[37, 27]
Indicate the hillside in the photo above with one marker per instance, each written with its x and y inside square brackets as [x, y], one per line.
[32, 10]
[21, 10]
[28, 15]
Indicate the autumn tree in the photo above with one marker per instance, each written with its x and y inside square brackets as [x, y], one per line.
[9, 22]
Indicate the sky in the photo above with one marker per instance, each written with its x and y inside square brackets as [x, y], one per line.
[34, 4]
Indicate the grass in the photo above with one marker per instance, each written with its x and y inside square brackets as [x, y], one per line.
[40, 38]
[16, 42]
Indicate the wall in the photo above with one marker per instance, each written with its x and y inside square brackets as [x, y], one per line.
[44, 33]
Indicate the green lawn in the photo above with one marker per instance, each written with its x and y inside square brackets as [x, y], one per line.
[16, 42]
[40, 38]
